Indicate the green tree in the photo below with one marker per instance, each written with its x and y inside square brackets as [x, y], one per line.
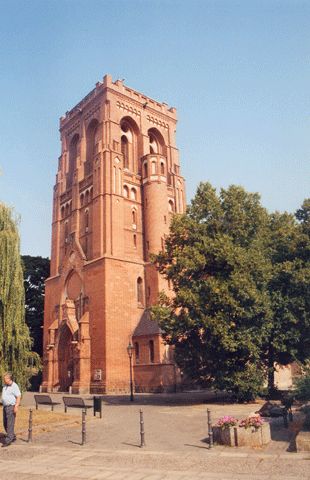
[289, 291]
[36, 270]
[15, 342]
[225, 258]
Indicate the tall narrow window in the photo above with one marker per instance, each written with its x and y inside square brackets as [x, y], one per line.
[86, 220]
[140, 290]
[92, 139]
[145, 169]
[125, 191]
[162, 168]
[125, 150]
[66, 235]
[135, 240]
[73, 152]
[134, 217]
[153, 143]
[151, 351]
[153, 169]
[133, 194]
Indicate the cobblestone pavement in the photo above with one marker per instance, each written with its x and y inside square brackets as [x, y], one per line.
[176, 448]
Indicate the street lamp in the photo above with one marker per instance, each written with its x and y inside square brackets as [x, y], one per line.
[130, 350]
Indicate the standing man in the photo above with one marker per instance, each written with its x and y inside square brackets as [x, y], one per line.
[10, 400]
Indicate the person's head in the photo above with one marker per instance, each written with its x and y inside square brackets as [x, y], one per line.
[8, 378]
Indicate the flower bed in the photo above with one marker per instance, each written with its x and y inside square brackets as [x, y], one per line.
[251, 432]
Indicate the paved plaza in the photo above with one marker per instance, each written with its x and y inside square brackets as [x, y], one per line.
[176, 447]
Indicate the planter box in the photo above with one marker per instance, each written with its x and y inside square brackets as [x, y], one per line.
[242, 437]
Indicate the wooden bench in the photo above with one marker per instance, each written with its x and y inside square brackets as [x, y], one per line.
[44, 400]
[75, 402]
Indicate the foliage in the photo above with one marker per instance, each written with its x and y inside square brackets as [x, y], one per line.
[36, 270]
[15, 342]
[302, 386]
[241, 290]
[227, 421]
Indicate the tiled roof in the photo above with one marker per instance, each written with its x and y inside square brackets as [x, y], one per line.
[146, 326]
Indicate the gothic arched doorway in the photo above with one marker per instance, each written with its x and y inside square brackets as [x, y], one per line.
[66, 369]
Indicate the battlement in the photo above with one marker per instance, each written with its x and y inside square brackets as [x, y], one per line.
[119, 87]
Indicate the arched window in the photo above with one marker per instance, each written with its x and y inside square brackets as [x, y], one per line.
[91, 145]
[82, 200]
[125, 150]
[137, 351]
[135, 240]
[134, 217]
[156, 142]
[140, 290]
[66, 234]
[153, 169]
[62, 212]
[133, 194]
[145, 169]
[162, 168]
[86, 220]
[171, 206]
[126, 191]
[73, 151]
[153, 143]
[67, 209]
[130, 143]
[87, 197]
[151, 351]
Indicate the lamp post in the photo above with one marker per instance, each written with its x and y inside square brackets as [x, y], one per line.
[130, 350]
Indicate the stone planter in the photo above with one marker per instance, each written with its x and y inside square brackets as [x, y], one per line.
[242, 437]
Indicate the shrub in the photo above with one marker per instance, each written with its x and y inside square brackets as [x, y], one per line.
[302, 384]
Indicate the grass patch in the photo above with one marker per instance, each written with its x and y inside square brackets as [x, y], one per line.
[42, 420]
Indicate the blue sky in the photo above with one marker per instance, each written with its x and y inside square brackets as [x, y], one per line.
[238, 73]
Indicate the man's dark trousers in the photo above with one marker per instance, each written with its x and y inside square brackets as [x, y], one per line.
[9, 423]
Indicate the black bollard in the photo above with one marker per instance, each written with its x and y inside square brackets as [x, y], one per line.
[210, 432]
[30, 426]
[142, 444]
[83, 427]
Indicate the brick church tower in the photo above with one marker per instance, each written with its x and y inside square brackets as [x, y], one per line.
[117, 186]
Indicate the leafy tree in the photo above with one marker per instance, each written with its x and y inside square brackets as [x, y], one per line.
[225, 258]
[15, 342]
[289, 291]
[36, 270]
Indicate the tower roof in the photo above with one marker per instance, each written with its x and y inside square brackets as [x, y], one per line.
[146, 326]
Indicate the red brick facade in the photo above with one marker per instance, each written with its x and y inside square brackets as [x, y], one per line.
[117, 186]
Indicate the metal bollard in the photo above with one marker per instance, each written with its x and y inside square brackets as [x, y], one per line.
[30, 426]
[285, 422]
[83, 427]
[210, 432]
[142, 444]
